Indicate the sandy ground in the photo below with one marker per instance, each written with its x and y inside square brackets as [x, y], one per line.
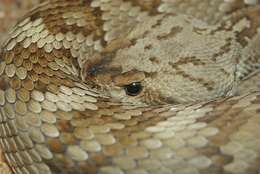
[10, 12]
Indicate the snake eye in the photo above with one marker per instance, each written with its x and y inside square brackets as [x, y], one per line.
[133, 89]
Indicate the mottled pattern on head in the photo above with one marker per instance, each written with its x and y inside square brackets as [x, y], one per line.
[181, 60]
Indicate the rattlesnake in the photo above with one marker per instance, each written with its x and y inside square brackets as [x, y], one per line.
[132, 86]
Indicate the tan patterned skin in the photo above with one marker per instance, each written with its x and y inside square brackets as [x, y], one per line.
[132, 87]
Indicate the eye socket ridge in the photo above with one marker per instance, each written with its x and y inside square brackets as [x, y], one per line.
[133, 89]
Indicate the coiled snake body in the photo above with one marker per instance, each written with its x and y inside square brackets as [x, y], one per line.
[132, 86]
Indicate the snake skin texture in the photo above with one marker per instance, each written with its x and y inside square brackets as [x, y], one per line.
[64, 106]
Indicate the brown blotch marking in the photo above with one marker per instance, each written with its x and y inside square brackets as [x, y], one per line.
[8, 57]
[15, 83]
[148, 117]
[209, 150]
[68, 138]
[33, 76]
[257, 101]
[56, 146]
[38, 69]
[150, 74]
[254, 168]
[218, 159]
[223, 26]
[61, 164]
[63, 125]
[186, 60]
[155, 60]
[208, 85]
[218, 162]
[56, 77]
[53, 88]
[228, 124]
[27, 65]
[52, 17]
[199, 30]
[40, 86]
[134, 40]
[4, 83]
[158, 23]
[113, 150]
[138, 123]
[33, 48]
[148, 47]
[44, 79]
[43, 62]
[221, 160]
[28, 84]
[101, 69]
[117, 44]
[18, 49]
[226, 119]
[225, 72]
[18, 61]
[88, 167]
[224, 49]
[24, 53]
[174, 31]
[150, 6]
[253, 15]
[96, 65]
[100, 159]
[196, 62]
[39, 75]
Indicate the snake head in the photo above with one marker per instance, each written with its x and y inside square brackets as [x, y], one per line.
[168, 59]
